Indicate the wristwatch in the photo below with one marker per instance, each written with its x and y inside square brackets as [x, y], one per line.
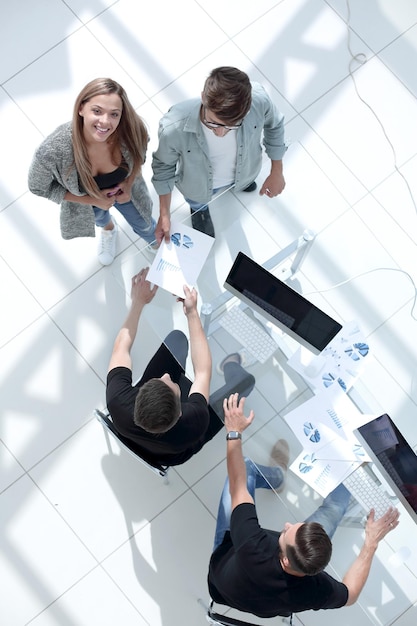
[233, 434]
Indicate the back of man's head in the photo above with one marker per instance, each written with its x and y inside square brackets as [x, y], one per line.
[157, 407]
[228, 94]
[311, 551]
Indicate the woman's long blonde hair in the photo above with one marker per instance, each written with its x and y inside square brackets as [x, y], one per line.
[131, 132]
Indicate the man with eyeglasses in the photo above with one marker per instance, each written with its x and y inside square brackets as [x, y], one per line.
[207, 145]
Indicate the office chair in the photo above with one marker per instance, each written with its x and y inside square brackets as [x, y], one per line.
[216, 619]
[106, 421]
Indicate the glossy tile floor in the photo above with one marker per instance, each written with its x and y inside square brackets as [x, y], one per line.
[88, 536]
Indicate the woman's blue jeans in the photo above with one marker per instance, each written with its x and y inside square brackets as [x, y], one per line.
[329, 513]
[132, 217]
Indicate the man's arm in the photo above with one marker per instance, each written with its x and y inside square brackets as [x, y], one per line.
[274, 184]
[236, 420]
[199, 348]
[273, 140]
[356, 576]
[163, 226]
[141, 294]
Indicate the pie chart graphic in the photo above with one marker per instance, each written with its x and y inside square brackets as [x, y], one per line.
[328, 380]
[306, 465]
[311, 432]
[357, 351]
[185, 241]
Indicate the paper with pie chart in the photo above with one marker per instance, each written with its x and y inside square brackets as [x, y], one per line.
[324, 426]
[180, 261]
[340, 364]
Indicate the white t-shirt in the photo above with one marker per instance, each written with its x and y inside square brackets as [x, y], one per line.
[222, 151]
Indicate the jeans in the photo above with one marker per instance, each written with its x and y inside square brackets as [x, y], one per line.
[132, 217]
[329, 514]
[171, 358]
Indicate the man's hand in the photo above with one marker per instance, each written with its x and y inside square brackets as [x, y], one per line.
[141, 294]
[377, 529]
[141, 291]
[190, 301]
[273, 185]
[163, 228]
[234, 417]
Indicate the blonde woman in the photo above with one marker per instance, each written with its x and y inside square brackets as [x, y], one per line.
[94, 163]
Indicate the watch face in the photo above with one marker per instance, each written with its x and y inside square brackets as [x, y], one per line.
[233, 435]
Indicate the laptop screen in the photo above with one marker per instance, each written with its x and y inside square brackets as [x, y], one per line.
[394, 457]
[283, 306]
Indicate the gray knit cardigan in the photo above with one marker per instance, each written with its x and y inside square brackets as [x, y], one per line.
[52, 173]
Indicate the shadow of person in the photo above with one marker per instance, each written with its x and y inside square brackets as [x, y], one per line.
[169, 553]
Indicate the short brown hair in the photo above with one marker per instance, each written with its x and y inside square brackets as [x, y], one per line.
[311, 551]
[157, 407]
[228, 94]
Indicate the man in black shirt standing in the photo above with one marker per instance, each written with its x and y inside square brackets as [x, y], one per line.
[268, 573]
[166, 417]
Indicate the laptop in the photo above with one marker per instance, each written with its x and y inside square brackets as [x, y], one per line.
[394, 457]
[280, 304]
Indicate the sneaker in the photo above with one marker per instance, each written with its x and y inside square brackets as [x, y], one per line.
[250, 187]
[107, 245]
[242, 357]
[201, 220]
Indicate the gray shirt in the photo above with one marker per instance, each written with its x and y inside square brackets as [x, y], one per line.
[53, 173]
[182, 157]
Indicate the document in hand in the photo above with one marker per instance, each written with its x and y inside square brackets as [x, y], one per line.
[180, 261]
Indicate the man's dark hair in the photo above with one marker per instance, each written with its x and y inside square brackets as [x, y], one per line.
[228, 94]
[157, 407]
[311, 551]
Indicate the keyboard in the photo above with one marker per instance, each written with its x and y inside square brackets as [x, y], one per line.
[367, 492]
[249, 334]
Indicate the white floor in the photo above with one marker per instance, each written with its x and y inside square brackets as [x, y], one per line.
[88, 536]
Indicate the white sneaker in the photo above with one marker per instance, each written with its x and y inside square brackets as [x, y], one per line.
[107, 245]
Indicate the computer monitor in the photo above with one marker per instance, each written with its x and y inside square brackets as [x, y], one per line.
[280, 304]
[394, 457]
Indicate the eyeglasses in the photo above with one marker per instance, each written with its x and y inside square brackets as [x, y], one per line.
[214, 125]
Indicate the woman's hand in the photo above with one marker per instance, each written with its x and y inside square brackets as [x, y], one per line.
[104, 202]
[123, 191]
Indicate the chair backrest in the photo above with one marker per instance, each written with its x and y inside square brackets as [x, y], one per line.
[106, 421]
[216, 619]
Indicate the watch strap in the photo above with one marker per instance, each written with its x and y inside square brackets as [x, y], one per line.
[233, 434]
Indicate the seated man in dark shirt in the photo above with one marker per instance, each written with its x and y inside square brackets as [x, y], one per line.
[165, 417]
[270, 573]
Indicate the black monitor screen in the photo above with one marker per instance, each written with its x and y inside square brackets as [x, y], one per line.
[281, 304]
[395, 457]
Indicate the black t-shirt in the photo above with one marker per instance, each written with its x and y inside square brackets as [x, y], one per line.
[245, 573]
[175, 446]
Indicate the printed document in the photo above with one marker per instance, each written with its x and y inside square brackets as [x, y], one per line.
[180, 261]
